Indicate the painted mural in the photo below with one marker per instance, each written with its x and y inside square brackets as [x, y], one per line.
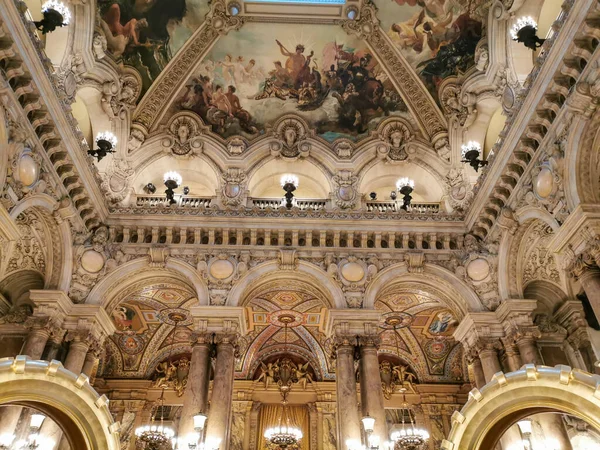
[424, 333]
[437, 37]
[146, 34]
[252, 77]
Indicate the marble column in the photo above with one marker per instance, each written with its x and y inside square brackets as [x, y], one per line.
[371, 394]
[195, 398]
[90, 366]
[490, 363]
[219, 415]
[349, 424]
[513, 358]
[80, 345]
[478, 373]
[9, 418]
[528, 350]
[589, 277]
[36, 340]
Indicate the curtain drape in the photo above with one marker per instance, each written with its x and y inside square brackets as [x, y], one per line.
[270, 415]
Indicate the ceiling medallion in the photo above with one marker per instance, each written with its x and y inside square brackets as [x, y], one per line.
[396, 320]
[288, 318]
[175, 316]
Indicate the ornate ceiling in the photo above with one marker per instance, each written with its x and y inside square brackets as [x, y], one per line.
[144, 332]
[422, 333]
[267, 337]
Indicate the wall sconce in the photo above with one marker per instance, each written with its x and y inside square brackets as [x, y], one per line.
[186, 190]
[289, 183]
[172, 181]
[150, 188]
[56, 14]
[525, 31]
[405, 186]
[106, 143]
[470, 153]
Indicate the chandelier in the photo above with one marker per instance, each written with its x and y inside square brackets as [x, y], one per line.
[153, 436]
[409, 437]
[284, 435]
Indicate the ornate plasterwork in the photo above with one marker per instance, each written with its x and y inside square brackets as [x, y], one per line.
[536, 261]
[183, 131]
[290, 133]
[346, 192]
[119, 98]
[233, 187]
[458, 189]
[397, 136]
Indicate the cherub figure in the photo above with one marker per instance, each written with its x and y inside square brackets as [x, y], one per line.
[302, 375]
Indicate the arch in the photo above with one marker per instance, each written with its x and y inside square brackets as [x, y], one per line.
[84, 121]
[381, 178]
[582, 177]
[201, 177]
[513, 258]
[314, 182]
[434, 277]
[509, 397]
[16, 286]
[140, 269]
[494, 127]
[548, 295]
[68, 399]
[269, 271]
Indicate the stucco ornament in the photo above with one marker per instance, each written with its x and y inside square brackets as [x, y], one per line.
[236, 146]
[116, 179]
[544, 188]
[182, 135]
[221, 271]
[70, 75]
[477, 265]
[136, 139]
[233, 187]
[396, 135]
[343, 148]
[119, 98]
[90, 264]
[346, 190]
[459, 190]
[353, 275]
[291, 133]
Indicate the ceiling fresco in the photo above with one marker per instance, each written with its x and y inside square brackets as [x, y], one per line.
[422, 335]
[146, 34]
[252, 77]
[437, 37]
[144, 330]
[266, 340]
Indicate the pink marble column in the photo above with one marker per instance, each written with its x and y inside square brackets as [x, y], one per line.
[90, 366]
[195, 398]
[490, 363]
[219, 414]
[77, 352]
[345, 383]
[36, 342]
[371, 394]
[478, 373]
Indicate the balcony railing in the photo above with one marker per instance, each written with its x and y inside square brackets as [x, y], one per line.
[391, 206]
[275, 203]
[190, 201]
[185, 201]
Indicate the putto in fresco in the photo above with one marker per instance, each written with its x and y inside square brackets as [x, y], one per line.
[437, 37]
[318, 72]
